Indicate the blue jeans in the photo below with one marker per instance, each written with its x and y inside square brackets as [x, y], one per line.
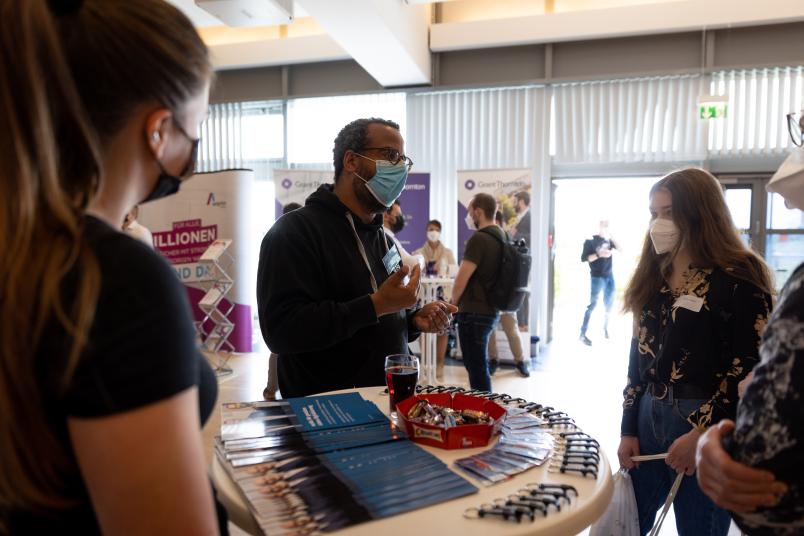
[660, 423]
[606, 284]
[473, 331]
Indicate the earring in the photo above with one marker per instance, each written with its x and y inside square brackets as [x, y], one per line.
[155, 136]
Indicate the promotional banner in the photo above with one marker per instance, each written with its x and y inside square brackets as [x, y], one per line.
[511, 188]
[211, 206]
[295, 185]
[415, 204]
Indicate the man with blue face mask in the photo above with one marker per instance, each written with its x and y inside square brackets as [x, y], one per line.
[333, 296]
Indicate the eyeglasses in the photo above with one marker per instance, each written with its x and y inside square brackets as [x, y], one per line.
[192, 162]
[795, 129]
[392, 155]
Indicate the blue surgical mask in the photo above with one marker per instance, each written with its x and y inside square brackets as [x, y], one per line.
[388, 182]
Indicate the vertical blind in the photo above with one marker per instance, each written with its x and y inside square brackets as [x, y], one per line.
[484, 129]
[636, 120]
[758, 101]
[221, 145]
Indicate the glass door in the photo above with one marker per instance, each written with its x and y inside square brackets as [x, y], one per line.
[766, 224]
[784, 249]
[745, 197]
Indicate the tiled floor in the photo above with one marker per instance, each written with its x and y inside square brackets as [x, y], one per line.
[586, 382]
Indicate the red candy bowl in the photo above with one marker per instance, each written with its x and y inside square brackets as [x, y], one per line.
[455, 437]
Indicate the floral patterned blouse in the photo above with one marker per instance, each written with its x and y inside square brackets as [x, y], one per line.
[769, 430]
[711, 349]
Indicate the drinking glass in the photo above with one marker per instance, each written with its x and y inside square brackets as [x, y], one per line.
[401, 376]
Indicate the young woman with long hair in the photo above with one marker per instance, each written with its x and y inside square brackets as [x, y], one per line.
[700, 300]
[102, 389]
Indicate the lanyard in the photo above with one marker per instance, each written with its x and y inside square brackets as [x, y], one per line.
[363, 249]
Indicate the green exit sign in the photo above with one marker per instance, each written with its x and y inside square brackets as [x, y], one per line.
[713, 107]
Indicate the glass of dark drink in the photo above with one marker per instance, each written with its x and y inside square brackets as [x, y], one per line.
[401, 376]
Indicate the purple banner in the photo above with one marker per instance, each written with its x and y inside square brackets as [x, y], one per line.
[464, 234]
[415, 202]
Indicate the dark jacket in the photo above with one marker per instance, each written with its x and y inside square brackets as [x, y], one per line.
[523, 228]
[313, 290]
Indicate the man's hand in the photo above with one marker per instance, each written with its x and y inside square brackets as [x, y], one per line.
[681, 455]
[732, 485]
[629, 446]
[394, 295]
[434, 317]
[604, 253]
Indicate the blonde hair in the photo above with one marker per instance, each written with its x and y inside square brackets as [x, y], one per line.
[706, 231]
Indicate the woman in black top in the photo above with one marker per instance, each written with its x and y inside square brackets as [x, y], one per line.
[700, 301]
[102, 390]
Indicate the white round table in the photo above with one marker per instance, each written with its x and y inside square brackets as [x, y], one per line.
[445, 519]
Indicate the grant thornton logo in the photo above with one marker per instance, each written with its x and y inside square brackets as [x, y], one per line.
[287, 183]
[470, 184]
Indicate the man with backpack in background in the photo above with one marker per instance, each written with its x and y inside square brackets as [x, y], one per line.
[508, 321]
[492, 277]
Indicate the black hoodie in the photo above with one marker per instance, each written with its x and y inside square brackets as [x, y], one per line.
[313, 289]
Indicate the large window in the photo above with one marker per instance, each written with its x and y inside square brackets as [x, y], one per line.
[314, 123]
[263, 132]
[784, 245]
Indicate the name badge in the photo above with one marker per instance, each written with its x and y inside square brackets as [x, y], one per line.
[392, 260]
[690, 302]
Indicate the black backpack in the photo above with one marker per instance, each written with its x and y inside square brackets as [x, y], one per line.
[510, 287]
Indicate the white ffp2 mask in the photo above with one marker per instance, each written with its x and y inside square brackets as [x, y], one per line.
[433, 236]
[664, 235]
[470, 223]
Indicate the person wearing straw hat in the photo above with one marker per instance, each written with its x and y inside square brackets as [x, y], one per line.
[755, 467]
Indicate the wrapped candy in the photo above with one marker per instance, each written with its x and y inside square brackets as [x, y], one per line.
[426, 413]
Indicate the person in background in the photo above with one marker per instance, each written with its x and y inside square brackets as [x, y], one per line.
[438, 258]
[436, 255]
[290, 207]
[102, 388]
[481, 260]
[522, 231]
[755, 468]
[522, 225]
[700, 300]
[509, 325]
[597, 251]
[393, 221]
[331, 295]
[269, 393]
[135, 229]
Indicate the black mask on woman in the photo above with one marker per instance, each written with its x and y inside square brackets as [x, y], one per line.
[168, 184]
[398, 224]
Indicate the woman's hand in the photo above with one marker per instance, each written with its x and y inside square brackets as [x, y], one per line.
[681, 455]
[629, 446]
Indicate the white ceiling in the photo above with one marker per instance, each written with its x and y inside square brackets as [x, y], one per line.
[391, 39]
[202, 19]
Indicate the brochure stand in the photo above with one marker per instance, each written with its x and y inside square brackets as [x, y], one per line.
[216, 281]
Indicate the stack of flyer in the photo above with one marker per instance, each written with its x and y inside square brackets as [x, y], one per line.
[317, 464]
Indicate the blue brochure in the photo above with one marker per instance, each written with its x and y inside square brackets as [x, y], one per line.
[326, 412]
